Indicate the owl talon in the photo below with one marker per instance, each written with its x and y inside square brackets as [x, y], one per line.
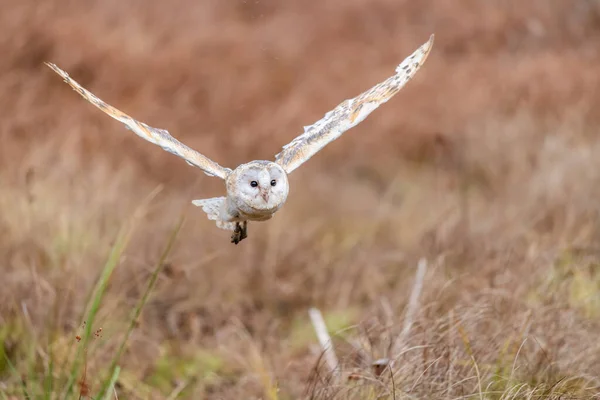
[240, 233]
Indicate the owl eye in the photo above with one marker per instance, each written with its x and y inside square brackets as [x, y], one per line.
[254, 184]
[273, 182]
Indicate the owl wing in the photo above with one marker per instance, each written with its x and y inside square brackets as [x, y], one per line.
[349, 113]
[157, 136]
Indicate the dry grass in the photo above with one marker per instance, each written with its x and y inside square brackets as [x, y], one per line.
[487, 165]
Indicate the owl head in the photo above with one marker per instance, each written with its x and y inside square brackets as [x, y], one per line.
[258, 187]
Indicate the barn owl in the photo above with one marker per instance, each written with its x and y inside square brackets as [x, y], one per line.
[258, 189]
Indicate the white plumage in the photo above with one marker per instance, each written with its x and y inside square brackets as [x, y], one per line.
[212, 207]
[256, 190]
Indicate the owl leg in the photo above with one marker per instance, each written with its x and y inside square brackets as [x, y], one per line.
[240, 233]
[244, 230]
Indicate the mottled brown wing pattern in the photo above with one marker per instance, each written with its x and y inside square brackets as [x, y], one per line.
[157, 136]
[349, 113]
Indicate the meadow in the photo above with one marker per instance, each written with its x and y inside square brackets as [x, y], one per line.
[486, 166]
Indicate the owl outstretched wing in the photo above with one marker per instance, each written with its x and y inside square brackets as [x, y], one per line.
[349, 113]
[157, 136]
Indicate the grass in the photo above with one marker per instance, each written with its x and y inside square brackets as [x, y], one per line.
[77, 374]
[486, 165]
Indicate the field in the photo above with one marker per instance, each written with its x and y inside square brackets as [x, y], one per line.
[486, 165]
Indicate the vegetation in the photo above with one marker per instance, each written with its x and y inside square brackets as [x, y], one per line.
[486, 165]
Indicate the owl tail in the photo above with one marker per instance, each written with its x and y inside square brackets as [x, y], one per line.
[212, 208]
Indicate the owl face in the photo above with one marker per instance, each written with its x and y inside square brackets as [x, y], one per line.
[258, 187]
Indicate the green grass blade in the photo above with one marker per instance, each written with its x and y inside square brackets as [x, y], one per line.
[113, 260]
[24, 388]
[11, 366]
[149, 287]
[31, 375]
[49, 379]
[49, 384]
[111, 383]
[123, 238]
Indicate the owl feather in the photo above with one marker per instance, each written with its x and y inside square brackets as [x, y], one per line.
[349, 113]
[160, 137]
[258, 189]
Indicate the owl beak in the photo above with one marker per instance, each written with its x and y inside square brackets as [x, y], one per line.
[265, 195]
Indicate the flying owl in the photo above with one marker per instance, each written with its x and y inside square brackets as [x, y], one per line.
[258, 189]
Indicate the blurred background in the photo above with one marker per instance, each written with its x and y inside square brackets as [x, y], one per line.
[486, 164]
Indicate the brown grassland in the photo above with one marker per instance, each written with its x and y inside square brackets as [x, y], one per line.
[487, 165]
